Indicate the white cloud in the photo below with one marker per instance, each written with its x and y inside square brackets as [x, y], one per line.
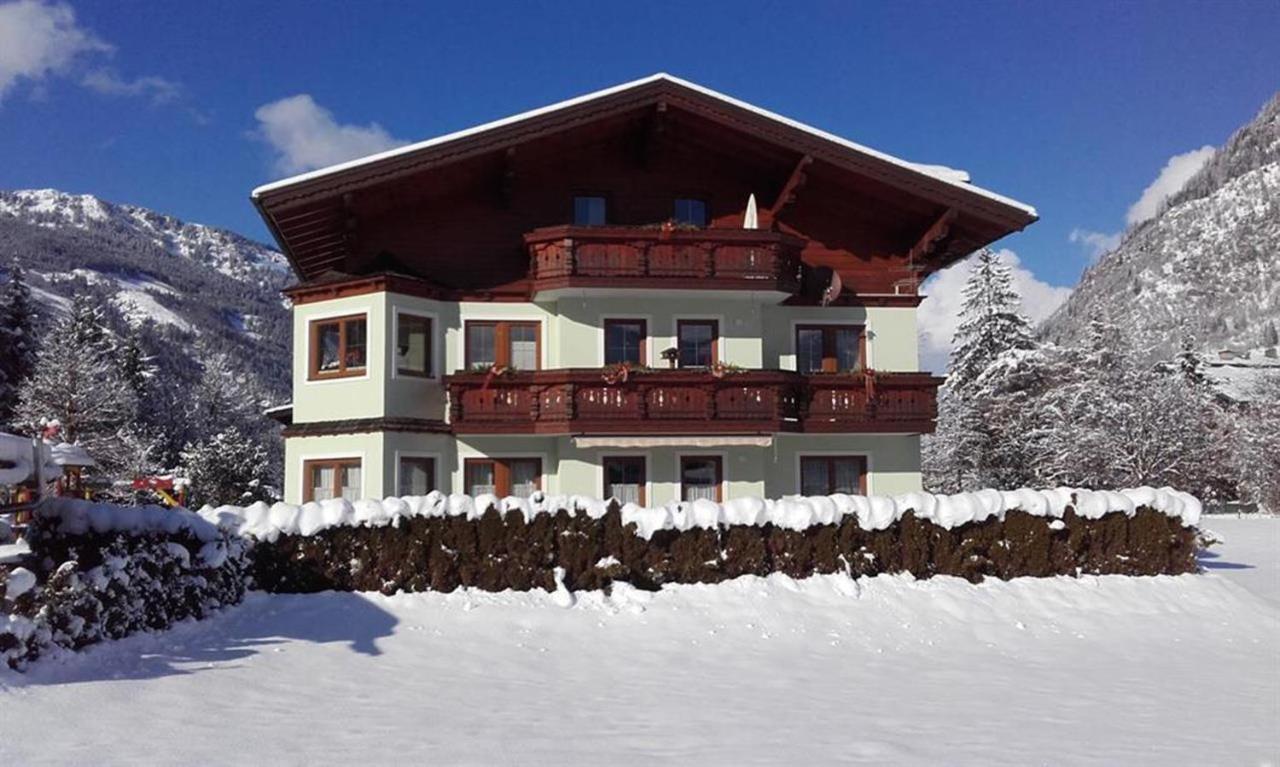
[38, 39]
[1173, 176]
[305, 135]
[939, 314]
[1095, 243]
[108, 82]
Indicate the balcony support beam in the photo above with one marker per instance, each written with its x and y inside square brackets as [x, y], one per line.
[795, 182]
[932, 238]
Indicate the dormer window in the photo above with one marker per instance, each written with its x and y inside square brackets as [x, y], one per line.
[589, 211]
[690, 211]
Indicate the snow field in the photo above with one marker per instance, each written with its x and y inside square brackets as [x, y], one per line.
[1099, 670]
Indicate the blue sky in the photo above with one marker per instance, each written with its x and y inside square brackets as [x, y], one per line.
[1073, 107]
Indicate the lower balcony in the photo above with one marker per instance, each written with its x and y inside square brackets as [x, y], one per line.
[677, 402]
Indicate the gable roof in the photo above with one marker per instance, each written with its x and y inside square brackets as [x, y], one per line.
[950, 176]
[308, 213]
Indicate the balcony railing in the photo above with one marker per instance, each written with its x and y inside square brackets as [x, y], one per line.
[581, 401]
[639, 257]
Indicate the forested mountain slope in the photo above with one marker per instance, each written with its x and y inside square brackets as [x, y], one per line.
[1207, 268]
[179, 283]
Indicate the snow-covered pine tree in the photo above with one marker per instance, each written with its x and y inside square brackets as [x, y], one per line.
[1132, 424]
[991, 323]
[227, 468]
[225, 397]
[1256, 437]
[77, 382]
[137, 368]
[1270, 336]
[18, 342]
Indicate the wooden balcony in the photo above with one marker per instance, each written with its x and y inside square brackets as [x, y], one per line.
[665, 259]
[580, 401]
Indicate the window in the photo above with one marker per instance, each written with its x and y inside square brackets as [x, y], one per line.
[413, 345]
[624, 341]
[624, 478]
[339, 347]
[510, 344]
[829, 474]
[589, 211]
[502, 477]
[700, 477]
[416, 475]
[829, 348]
[697, 341]
[689, 211]
[331, 478]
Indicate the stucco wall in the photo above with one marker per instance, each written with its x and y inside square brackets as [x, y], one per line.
[893, 462]
[411, 396]
[752, 335]
[581, 325]
[891, 333]
[369, 448]
[341, 398]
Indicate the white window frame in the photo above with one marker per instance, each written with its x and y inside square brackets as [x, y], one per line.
[436, 341]
[436, 464]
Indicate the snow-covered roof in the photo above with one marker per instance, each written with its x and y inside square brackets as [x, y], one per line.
[951, 176]
[69, 454]
[17, 462]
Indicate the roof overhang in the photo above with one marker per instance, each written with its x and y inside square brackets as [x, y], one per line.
[943, 186]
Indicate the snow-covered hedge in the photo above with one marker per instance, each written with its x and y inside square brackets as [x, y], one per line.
[99, 571]
[440, 542]
[877, 512]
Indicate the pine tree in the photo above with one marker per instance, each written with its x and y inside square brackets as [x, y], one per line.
[77, 383]
[18, 343]
[957, 456]
[1270, 336]
[224, 397]
[137, 368]
[991, 321]
[227, 468]
[1190, 365]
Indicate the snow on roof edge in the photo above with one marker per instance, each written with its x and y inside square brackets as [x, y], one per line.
[949, 176]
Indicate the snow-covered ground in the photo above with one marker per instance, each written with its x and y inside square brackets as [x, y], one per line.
[1100, 670]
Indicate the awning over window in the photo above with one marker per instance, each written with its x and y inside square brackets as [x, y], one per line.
[763, 440]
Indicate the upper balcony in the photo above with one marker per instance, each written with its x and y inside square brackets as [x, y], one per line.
[663, 258]
[690, 401]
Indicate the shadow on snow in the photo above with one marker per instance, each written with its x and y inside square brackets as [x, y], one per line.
[1207, 558]
[262, 624]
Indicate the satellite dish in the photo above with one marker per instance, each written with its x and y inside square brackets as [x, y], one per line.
[833, 289]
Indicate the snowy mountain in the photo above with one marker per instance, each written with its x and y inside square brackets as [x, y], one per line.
[227, 252]
[178, 282]
[1207, 267]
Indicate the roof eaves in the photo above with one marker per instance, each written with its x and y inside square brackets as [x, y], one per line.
[947, 176]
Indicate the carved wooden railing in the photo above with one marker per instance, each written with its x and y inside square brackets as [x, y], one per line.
[585, 256]
[690, 402]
